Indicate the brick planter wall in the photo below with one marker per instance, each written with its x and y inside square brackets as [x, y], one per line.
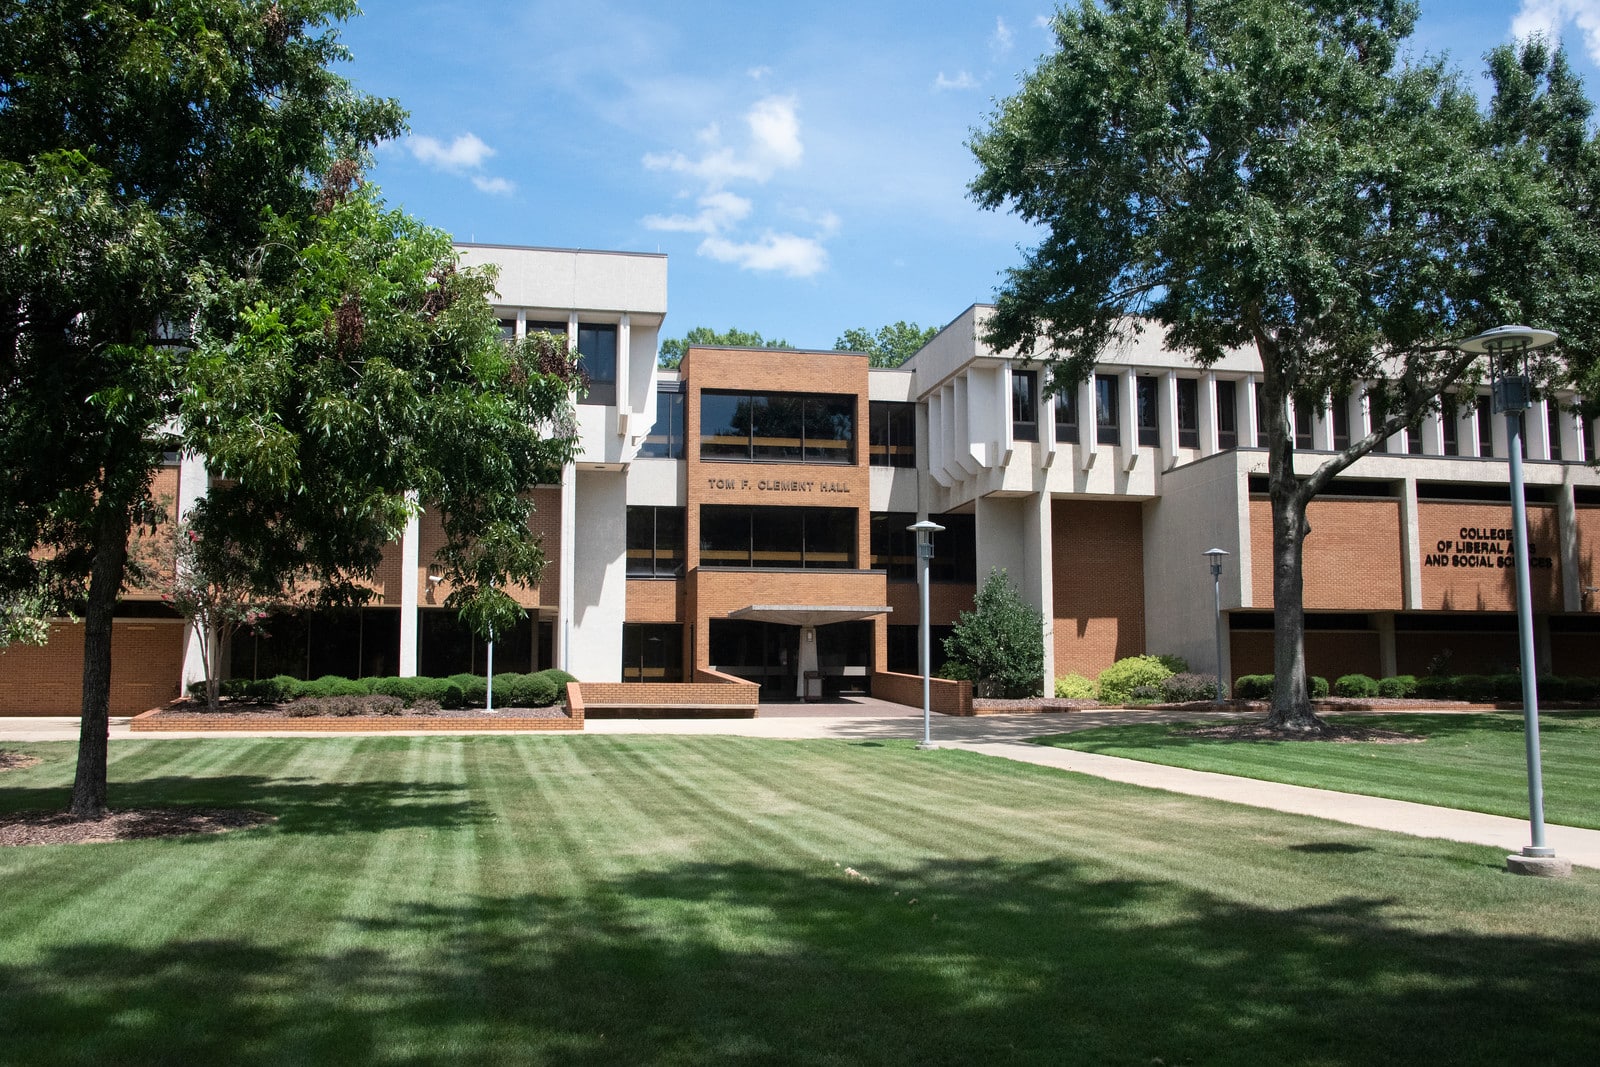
[944, 696]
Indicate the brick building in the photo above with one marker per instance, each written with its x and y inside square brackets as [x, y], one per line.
[747, 513]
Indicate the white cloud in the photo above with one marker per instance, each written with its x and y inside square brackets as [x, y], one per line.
[798, 257]
[466, 152]
[718, 212]
[774, 145]
[757, 73]
[1000, 42]
[962, 80]
[1547, 17]
[1044, 22]
[463, 156]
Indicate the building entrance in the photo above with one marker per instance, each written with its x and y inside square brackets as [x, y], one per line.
[769, 654]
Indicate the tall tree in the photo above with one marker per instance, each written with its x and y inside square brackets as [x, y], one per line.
[1254, 174]
[174, 177]
[673, 349]
[890, 346]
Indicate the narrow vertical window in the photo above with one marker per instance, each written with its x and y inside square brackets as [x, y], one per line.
[1227, 415]
[1188, 413]
[1024, 406]
[1485, 427]
[1261, 416]
[1145, 397]
[1552, 408]
[1066, 401]
[1108, 422]
[1449, 424]
[1303, 416]
[597, 358]
[1341, 423]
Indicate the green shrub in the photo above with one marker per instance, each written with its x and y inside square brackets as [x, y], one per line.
[274, 690]
[407, 690]
[1252, 686]
[1318, 686]
[1582, 688]
[442, 691]
[954, 671]
[1398, 687]
[1437, 687]
[1185, 686]
[1001, 639]
[560, 677]
[1118, 681]
[512, 690]
[1175, 664]
[545, 688]
[474, 688]
[1075, 687]
[1355, 685]
[330, 685]
[1488, 688]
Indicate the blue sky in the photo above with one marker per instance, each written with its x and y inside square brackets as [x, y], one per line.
[803, 165]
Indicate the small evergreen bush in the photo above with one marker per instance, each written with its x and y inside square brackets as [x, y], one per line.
[560, 677]
[407, 690]
[474, 688]
[331, 685]
[544, 689]
[1075, 687]
[1175, 664]
[275, 690]
[1318, 686]
[443, 692]
[1184, 686]
[1438, 687]
[1355, 685]
[1001, 639]
[513, 690]
[1144, 694]
[1398, 687]
[1118, 681]
[1252, 686]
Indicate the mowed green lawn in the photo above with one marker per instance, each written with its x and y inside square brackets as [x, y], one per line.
[604, 900]
[1476, 762]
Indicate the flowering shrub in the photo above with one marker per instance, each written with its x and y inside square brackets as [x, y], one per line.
[1118, 681]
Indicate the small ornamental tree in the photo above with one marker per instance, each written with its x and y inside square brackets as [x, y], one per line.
[215, 597]
[1001, 642]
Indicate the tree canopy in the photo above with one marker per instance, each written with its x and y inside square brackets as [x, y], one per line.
[1252, 174]
[189, 260]
[673, 349]
[890, 346]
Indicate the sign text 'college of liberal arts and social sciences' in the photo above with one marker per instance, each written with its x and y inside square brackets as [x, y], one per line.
[776, 485]
[1487, 547]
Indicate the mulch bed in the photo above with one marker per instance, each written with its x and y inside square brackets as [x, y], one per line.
[60, 828]
[13, 761]
[1337, 733]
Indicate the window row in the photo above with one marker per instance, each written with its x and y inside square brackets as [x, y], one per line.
[805, 538]
[597, 354]
[783, 428]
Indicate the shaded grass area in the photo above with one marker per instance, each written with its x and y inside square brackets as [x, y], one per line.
[1475, 762]
[600, 900]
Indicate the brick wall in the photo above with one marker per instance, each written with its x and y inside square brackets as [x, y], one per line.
[146, 665]
[946, 602]
[1446, 587]
[1329, 653]
[1098, 572]
[1352, 558]
[545, 522]
[655, 600]
[945, 696]
[1470, 653]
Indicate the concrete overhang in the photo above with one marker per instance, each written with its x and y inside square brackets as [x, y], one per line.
[807, 614]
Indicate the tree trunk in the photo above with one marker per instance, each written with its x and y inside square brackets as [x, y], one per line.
[105, 582]
[1291, 696]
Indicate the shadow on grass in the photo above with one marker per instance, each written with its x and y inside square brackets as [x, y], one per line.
[302, 805]
[948, 962]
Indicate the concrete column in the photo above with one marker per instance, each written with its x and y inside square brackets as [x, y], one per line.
[1246, 394]
[1167, 418]
[1497, 431]
[1208, 414]
[1467, 424]
[1388, 658]
[807, 659]
[194, 480]
[1432, 431]
[625, 412]
[566, 576]
[410, 563]
[1088, 424]
[1571, 435]
[1536, 430]
[1040, 531]
[1411, 560]
[1128, 401]
[1567, 548]
[1322, 427]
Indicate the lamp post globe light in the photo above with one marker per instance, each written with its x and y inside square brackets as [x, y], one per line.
[1508, 348]
[1214, 556]
[925, 531]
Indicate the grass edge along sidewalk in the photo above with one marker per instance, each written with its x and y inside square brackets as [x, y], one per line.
[1474, 762]
[668, 899]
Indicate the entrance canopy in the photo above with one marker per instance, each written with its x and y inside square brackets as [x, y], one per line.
[807, 614]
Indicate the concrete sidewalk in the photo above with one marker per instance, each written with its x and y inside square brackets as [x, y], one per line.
[1580, 846]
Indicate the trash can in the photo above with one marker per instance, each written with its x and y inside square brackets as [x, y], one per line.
[813, 686]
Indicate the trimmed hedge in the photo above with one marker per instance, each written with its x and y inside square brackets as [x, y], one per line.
[1184, 686]
[1121, 681]
[1355, 685]
[1398, 687]
[1252, 686]
[1074, 687]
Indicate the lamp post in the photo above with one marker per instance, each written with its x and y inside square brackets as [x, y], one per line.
[1214, 556]
[1507, 348]
[925, 531]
